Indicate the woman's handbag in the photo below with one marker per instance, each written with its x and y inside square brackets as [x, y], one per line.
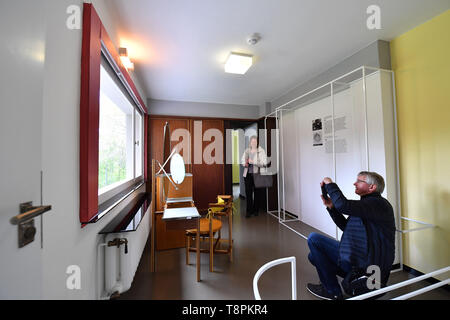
[262, 180]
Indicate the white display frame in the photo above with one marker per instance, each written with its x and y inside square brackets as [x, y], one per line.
[281, 213]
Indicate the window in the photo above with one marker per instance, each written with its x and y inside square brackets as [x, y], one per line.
[120, 134]
[139, 143]
[113, 145]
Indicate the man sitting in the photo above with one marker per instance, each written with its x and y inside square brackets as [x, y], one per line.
[368, 235]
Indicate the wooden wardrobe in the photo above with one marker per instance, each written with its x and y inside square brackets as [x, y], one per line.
[208, 179]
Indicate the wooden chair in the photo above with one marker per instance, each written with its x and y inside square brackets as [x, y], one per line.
[224, 208]
[212, 225]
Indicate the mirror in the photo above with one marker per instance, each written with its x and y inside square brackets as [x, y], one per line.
[177, 170]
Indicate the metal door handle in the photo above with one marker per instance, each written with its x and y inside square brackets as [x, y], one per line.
[29, 212]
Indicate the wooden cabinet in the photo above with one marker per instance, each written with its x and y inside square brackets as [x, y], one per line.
[179, 128]
[201, 143]
[208, 177]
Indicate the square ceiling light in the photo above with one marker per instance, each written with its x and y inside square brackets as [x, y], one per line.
[238, 63]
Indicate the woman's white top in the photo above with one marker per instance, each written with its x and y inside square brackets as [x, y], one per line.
[259, 159]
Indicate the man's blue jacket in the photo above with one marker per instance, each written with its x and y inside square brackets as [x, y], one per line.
[369, 231]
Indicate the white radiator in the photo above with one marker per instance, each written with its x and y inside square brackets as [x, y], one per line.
[120, 267]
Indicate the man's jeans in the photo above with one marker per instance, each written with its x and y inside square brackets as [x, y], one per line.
[324, 256]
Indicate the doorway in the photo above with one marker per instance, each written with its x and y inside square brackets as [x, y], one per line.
[239, 136]
[236, 162]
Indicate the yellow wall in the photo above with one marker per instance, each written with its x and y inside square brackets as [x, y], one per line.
[421, 62]
[236, 157]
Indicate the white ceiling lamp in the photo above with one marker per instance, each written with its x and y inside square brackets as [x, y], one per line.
[238, 63]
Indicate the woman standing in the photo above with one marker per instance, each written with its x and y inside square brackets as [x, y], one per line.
[254, 158]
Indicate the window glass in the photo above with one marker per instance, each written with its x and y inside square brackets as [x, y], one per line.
[116, 152]
[139, 141]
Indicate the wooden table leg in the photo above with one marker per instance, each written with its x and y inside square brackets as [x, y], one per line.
[197, 240]
[153, 220]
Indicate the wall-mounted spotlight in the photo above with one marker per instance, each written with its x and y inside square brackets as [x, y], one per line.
[125, 59]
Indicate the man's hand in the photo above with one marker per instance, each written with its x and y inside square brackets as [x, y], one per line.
[327, 180]
[327, 202]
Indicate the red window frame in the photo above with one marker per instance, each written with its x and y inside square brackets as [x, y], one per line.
[94, 34]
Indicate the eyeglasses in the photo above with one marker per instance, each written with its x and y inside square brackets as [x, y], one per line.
[357, 181]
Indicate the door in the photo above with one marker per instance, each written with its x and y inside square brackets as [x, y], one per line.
[208, 161]
[22, 57]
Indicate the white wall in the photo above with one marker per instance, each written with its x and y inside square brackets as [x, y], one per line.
[316, 162]
[64, 241]
[265, 109]
[202, 109]
[376, 54]
[290, 161]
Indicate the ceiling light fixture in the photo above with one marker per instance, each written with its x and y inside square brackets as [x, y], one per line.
[125, 59]
[238, 63]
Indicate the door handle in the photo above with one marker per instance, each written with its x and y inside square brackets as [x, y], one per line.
[25, 221]
[28, 211]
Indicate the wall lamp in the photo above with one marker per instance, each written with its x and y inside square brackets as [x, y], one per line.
[125, 59]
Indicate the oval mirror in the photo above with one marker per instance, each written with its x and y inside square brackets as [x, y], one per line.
[177, 170]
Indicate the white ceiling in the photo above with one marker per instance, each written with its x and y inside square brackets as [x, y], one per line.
[179, 46]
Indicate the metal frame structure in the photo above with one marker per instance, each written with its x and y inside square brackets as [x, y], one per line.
[281, 212]
[406, 283]
[292, 260]
[274, 263]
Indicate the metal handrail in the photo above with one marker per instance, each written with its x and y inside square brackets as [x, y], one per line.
[427, 225]
[423, 290]
[405, 283]
[271, 264]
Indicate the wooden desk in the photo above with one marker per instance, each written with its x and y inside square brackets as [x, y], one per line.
[181, 219]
